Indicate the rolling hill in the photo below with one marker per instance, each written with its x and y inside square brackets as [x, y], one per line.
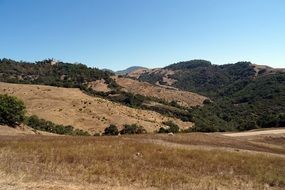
[91, 81]
[70, 106]
[244, 95]
[183, 98]
[129, 70]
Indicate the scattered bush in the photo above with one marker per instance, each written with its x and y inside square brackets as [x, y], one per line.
[162, 130]
[206, 101]
[111, 130]
[48, 126]
[174, 103]
[12, 110]
[132, 129]
[80, 132]
[172, 127]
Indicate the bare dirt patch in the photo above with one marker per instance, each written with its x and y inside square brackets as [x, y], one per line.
[99, 85]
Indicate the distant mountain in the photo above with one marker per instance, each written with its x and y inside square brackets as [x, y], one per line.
[129, 70]
[108, 70]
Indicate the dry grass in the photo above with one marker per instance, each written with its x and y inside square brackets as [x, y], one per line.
[269, 144]
[69, 106]
[267, 70]
[20, 130]
[184, 98]
[133, 162]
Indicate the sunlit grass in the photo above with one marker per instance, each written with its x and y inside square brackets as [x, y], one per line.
[123, 161]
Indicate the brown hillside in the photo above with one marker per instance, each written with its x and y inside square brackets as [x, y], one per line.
[137, 73]
[265, 70]
[70, 106]
[184, 98]
[21, 130]
[10, 131]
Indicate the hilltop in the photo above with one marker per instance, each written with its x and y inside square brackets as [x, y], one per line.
[129, 70]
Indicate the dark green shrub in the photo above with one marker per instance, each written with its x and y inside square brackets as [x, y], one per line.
[174, 103]
[243, 126]
[172, 127]
[203, 127]
[12, 110]
[132, 129]
[80, 132]
[162, 130]
[281, 122]
[268, 121]
[111, 130]
[48, 126]
[206, 101]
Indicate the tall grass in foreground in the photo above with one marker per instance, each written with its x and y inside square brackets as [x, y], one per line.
[121, 161]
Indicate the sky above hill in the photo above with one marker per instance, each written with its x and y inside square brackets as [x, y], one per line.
[116, 34]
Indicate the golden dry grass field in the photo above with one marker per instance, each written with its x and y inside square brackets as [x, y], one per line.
[70, 106]
[182, 161]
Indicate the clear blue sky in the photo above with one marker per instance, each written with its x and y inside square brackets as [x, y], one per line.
[117, 34]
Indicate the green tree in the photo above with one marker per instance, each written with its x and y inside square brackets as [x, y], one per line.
[132, 129]
[111, 130]
[12, 110]
[172, 127]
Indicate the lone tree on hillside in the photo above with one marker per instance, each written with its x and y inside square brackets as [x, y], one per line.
[172, 127]
[12, 110]
[133, 129]
[111, 130]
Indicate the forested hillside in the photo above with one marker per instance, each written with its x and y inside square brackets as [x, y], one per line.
[260, 104]
[241, 99]
[49, 72]
[202, 77]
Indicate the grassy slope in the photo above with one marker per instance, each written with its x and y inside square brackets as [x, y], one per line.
[184, 98]
[69, 106]
[92, 81]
